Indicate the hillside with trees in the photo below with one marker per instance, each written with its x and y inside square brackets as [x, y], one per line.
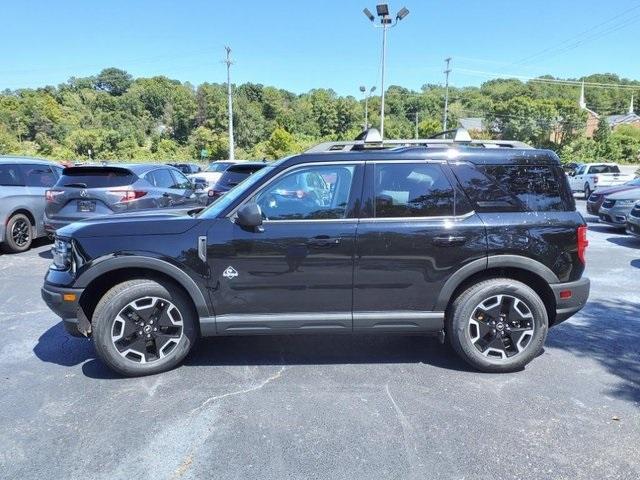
[118, 117]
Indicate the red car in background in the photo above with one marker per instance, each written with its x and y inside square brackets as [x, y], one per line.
[594, 202]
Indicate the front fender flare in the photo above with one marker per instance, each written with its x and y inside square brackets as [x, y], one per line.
[147, 263]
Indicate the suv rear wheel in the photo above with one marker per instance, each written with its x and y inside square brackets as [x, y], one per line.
[498, 325]
[18, 234]
[142, 327]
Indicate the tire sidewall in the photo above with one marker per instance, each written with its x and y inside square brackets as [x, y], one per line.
[106, 313]
[460, 322]
[9, 243]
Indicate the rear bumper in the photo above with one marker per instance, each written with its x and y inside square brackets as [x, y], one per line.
[593, 208]
[50, 225]
[60, 302]
[567, 307]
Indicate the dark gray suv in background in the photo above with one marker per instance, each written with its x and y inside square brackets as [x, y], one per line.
[89, 191]
[23, 182]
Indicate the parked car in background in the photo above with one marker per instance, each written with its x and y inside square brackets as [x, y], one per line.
[23, 182]
[596, 198]
[212, 174]
[232, 176]
[589, 176]
[633, 221]
[617, 206]
[570, 167]
[90, 191]
[186, 168]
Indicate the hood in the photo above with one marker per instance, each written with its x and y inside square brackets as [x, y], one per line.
[611, 190]
[131, 224]
[629, 194]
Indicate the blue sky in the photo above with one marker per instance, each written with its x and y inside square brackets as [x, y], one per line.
[299, 45]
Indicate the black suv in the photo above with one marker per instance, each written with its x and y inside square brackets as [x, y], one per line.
[477, 241]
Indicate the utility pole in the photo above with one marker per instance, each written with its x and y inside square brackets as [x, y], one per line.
[446, 94]
[230, 103]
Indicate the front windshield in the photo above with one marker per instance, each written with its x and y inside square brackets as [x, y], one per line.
[218, 166]
[221, 204]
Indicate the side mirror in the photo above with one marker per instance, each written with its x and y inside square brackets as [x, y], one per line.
[249, 216]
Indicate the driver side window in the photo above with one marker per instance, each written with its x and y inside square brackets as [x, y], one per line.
[308, 193]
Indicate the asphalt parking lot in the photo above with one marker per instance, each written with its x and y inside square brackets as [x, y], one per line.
[326, 407]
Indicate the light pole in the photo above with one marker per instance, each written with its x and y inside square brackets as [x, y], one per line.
[447, 71]
[363, 89]
[230, 103]
[386, 23]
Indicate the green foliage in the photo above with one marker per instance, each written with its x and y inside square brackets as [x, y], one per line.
[118, 117]
[113, 81]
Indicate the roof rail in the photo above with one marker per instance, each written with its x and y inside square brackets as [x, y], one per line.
[371, 140]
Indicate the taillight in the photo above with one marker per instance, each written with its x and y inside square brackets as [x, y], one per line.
[128, 195]
[583, 243]
[50, 195]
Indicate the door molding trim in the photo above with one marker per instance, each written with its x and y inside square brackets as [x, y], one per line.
[398, 321]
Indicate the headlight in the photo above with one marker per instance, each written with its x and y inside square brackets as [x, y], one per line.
[626, 203]
[61, 251]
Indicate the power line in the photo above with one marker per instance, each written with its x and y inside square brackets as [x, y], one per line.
[581, 36]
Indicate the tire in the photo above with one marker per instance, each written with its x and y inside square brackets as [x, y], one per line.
[18, 234]
[473, 337]
[144, 299]
[587, 191]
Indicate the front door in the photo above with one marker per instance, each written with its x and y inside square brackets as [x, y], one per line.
[415, 232]
[295, 273]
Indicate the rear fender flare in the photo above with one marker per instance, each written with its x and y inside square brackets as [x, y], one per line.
[494, 261]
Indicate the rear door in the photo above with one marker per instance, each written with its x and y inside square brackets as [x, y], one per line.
[183, 189]
[38, 179]
[417, 229]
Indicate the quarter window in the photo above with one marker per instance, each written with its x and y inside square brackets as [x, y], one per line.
[411, 190]
[309, 193]
[181, 181]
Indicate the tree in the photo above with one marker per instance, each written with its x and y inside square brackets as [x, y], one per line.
[113, 81]
[603, 132]
[280, 144]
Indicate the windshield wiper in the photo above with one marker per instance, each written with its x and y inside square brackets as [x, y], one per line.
[76, 185]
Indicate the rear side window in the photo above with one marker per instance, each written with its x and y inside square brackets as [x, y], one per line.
[95, 177]
[411, 190]
[515, 188]
[39, 176]
[11, 175]
[161, 178]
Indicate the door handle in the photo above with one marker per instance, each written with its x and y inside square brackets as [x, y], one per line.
[449, 240]
[324, 241]
[166, 194]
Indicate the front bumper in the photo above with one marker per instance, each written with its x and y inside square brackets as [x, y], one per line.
[633, 225]
[567, 307]
[616, 216]
[65, 302]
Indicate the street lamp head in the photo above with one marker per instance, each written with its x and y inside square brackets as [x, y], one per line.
[363, 89]
[373, 89]
[382, 9]
[402, 13]
[369, 15]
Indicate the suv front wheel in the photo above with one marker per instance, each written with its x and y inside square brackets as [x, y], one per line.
[498, 325]
[142, 327]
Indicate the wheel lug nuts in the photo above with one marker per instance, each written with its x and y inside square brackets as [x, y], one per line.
[155, 329]
[148, 335]
[151, 322]
[140, 332]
